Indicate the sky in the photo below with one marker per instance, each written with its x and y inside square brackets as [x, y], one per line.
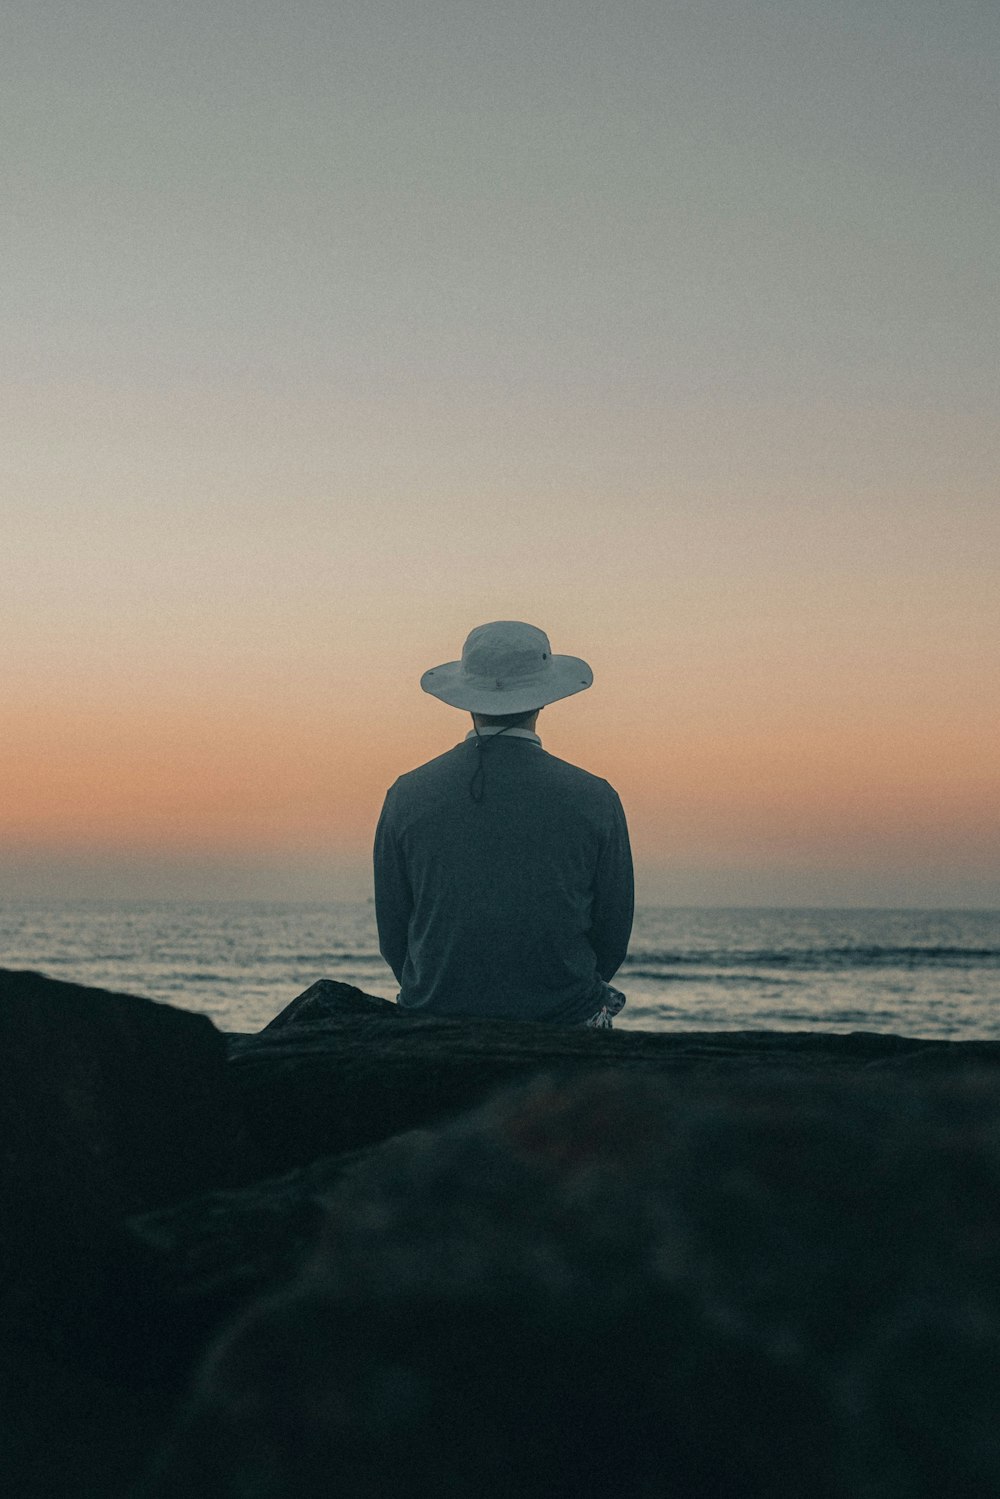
[331, 330]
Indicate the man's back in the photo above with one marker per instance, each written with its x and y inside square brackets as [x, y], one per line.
[507, 893]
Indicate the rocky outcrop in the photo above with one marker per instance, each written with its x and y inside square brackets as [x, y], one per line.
[339, 1070]
[109, 1105]
[329, 1000]
[366, 1253]
[728, 1285]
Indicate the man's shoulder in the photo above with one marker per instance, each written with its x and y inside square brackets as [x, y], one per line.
[440, 767]
[570, 785]
[575, 775]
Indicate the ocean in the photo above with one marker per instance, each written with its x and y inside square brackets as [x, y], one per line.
[915, 973]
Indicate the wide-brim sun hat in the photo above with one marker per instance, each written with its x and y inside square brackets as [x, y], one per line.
[506, 667]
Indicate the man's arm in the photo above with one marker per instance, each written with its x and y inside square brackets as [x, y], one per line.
[393, 899]
[614, 896]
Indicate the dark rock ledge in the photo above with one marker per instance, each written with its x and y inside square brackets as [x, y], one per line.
[365, 1254]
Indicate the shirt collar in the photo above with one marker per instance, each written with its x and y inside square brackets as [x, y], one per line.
[507, 733]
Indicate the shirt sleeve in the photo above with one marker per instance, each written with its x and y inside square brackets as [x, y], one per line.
[614, 895]
[393, 898]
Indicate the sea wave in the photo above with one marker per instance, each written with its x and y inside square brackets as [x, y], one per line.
[709, 975]
[823, 957]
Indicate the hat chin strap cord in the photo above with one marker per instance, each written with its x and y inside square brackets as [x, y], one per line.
[478, 782]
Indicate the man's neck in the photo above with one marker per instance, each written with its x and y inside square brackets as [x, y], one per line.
[484, 721]
[489, 731]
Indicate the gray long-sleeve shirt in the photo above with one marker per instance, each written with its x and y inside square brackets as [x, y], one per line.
[518, 904]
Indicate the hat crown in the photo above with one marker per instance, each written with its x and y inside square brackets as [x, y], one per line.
[505, 651]
[506, 667]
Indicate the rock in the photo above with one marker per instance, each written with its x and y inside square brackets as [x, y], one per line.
[922, 1399]
[197, 1263]
[109, 1105]
[727, 1284]
[309, 1090]
[695, 1263]
[324, 1085]
[327, 999]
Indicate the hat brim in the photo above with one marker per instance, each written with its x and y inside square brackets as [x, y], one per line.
[562, 677]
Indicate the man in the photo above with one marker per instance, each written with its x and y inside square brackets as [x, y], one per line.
[503, 876]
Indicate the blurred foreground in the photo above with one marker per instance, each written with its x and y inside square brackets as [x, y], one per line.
[365, 1254]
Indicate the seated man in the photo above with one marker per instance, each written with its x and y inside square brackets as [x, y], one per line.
[503, 876]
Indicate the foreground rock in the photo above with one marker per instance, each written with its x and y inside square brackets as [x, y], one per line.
[339, 1070]
[672, 1264]
[721, 1287]
[109, 1105]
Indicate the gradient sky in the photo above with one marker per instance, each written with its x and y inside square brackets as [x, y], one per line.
[332, 330]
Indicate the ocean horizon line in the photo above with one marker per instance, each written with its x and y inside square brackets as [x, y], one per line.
[320, 903]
